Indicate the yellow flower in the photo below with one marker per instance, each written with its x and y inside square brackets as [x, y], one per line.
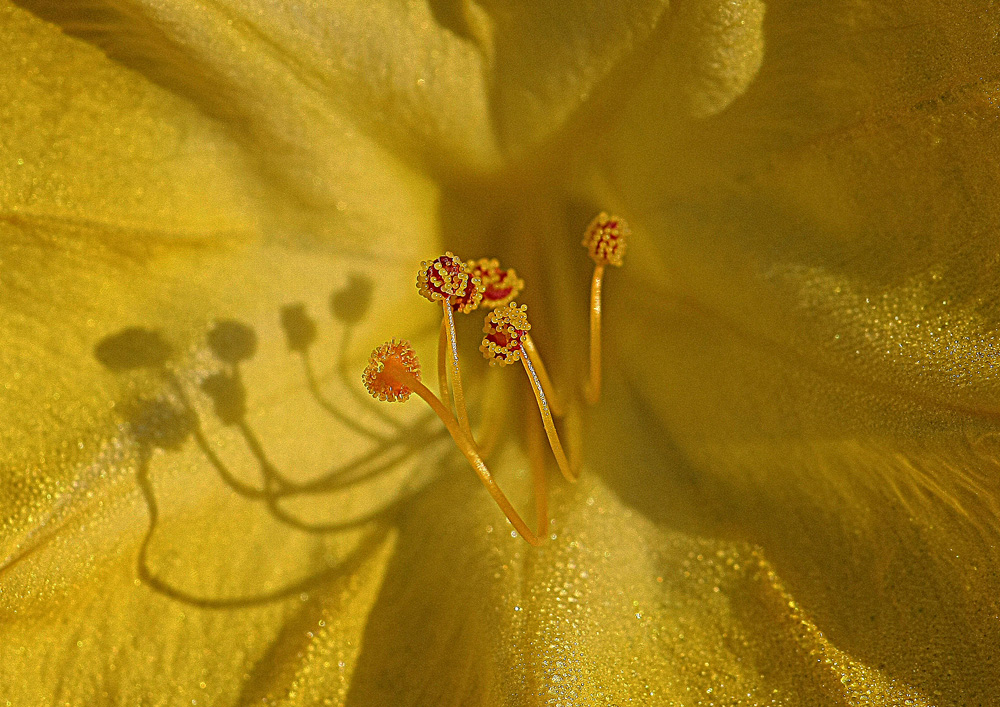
[790, 489]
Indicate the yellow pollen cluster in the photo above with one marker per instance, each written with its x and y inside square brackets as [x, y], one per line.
[505, 330]
[447, 277]
[605, 239]
[500, 286]
[383, 362]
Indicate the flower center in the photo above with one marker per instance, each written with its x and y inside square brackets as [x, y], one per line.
[393, 371]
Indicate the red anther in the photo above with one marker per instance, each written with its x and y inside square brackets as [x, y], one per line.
[380, 376]
[605, 239]
[501, 286]
[447, 277]
[505, 330]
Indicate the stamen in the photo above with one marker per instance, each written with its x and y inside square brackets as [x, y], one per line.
[605, 240]
[500, 286]
[457, 391]
[448, 278]
[450, 281]
[392, 374]
[380, 376]
[506, 330]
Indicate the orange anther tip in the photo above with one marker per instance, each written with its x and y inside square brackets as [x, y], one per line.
[448, 277]
[500, 286]
[605, 239]
[505, 329]
[384, 362]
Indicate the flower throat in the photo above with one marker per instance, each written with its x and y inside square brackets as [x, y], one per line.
[461, 287]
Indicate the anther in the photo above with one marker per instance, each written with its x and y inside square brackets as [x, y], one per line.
[507, 341]
[505, 329]
[500, 285]
[449, 280]
[605, 240]
[392, 374]
[382, 374]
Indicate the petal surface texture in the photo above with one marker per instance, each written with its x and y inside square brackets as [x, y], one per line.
[211, 211]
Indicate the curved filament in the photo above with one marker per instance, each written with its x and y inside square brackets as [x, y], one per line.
[458, 394]
[555, 403]
[547, 421]
[468, 449]
[593, 390]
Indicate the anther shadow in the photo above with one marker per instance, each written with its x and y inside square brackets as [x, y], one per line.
[172, 420]
[452, 15]
[348, 306]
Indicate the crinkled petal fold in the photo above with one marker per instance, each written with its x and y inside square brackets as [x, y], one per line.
[614, 610]
[816, 275]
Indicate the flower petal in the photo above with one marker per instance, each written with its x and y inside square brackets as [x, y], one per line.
[817, 270]
[551, 58]
[456, 85]
[140, 560]
[612, 610]
[293, 79]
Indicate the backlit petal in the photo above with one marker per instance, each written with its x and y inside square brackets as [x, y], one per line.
[123, 207]
[819, 267]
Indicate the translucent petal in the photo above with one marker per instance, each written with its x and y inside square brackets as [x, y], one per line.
[139, 558]
[778, 168]
[815, 270]
[550, 60]
[613, 610]
[454, 85]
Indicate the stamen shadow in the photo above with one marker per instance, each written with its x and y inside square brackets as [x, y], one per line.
[172, 419]
[348, 566]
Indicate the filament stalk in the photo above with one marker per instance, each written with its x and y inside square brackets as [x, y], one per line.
[466, 446]
[555, 403]
[458, 393]
[593, 390]
[547, 421]
[536, 459]
[442, 364]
